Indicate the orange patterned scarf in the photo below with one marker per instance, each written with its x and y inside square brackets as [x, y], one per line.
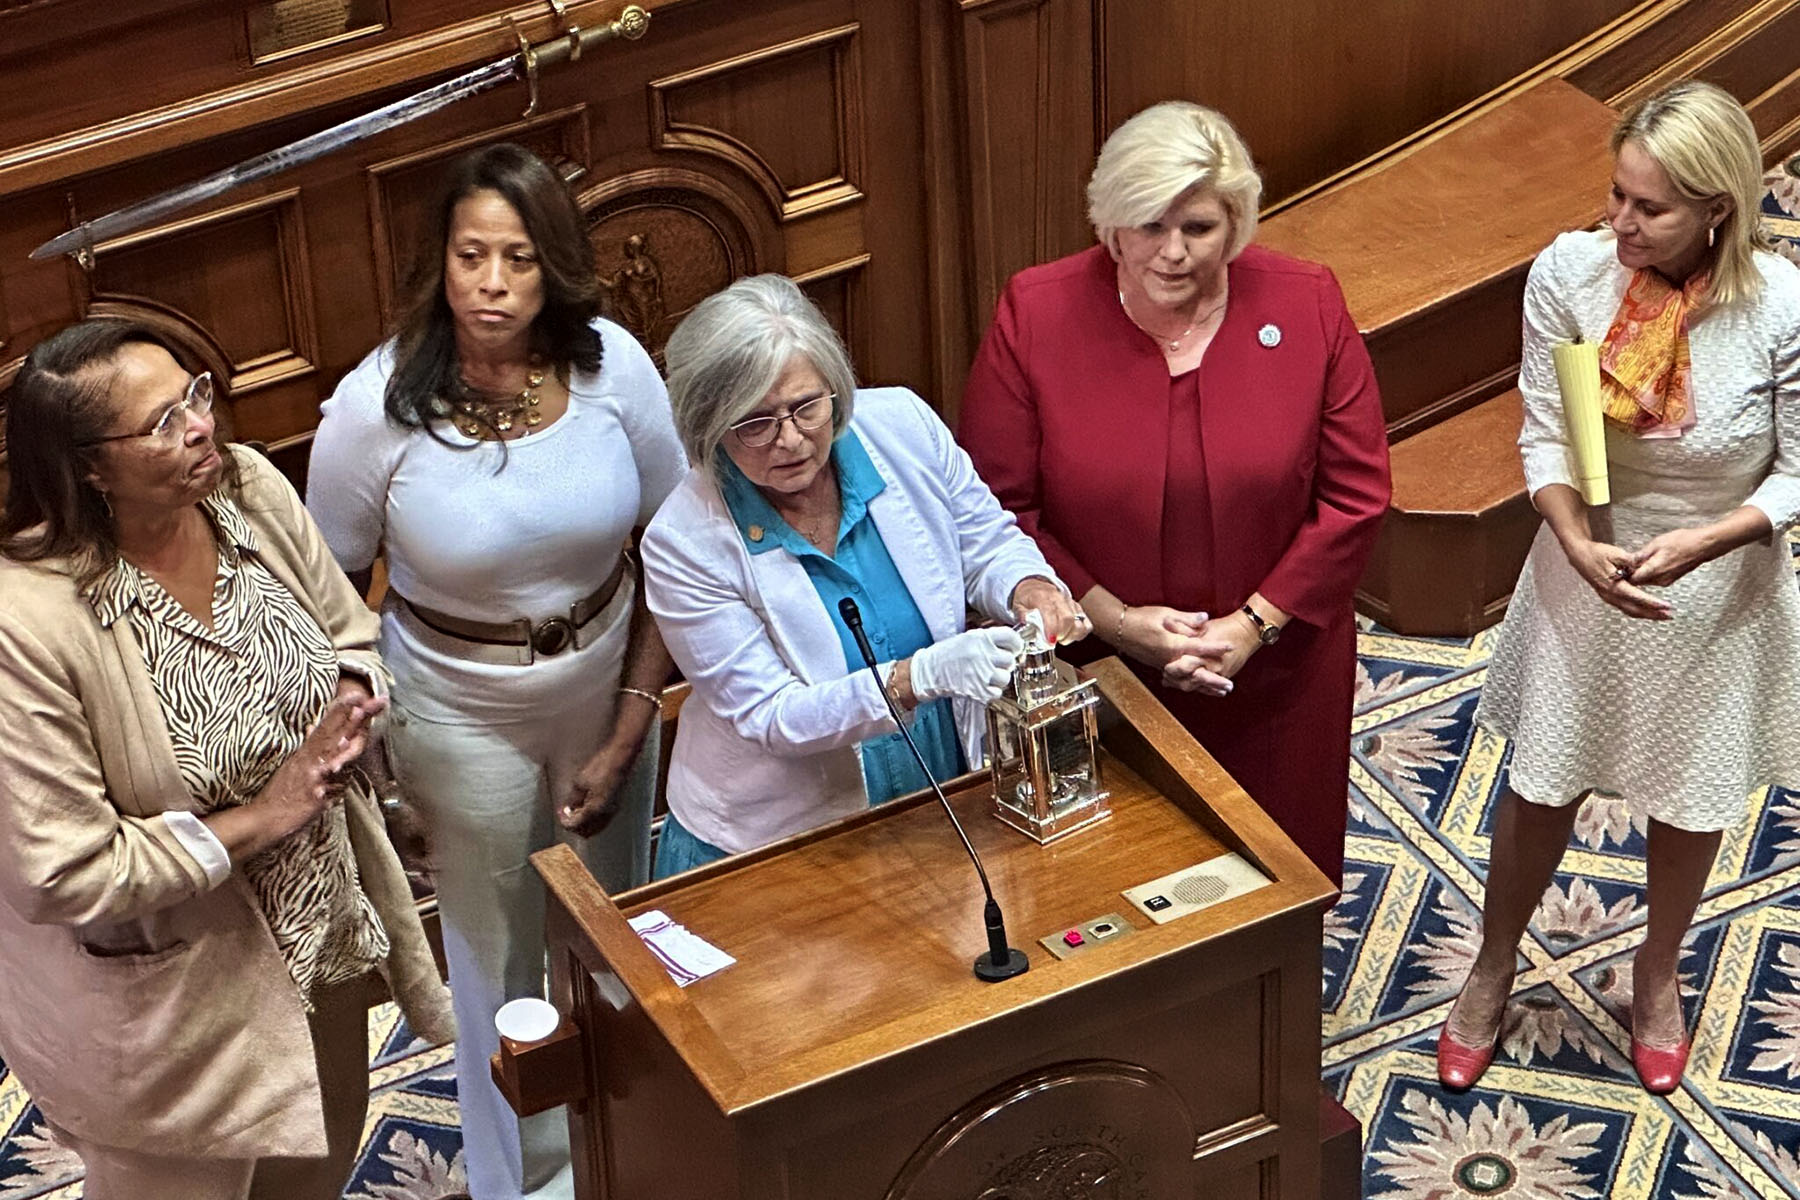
[1645, 382]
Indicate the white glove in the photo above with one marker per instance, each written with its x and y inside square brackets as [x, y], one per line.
[974, 665]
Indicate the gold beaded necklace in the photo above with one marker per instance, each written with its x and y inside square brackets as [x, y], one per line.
[502, 414]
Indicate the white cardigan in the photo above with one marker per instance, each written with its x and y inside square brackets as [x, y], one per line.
[766, 747]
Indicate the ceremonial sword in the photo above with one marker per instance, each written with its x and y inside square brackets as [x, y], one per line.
[565, 47]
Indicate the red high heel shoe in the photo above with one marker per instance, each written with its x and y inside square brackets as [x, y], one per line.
[1660, 1070]
[1459, 1067]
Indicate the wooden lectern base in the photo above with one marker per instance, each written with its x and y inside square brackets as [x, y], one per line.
[850, 1054]
[1340, 1151]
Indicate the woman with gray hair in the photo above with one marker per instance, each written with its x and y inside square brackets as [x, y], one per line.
[805, 491]
[1188, 425]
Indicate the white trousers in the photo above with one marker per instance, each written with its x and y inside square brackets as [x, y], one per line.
[488, 795]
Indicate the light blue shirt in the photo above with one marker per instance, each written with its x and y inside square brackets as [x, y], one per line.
[863, 570]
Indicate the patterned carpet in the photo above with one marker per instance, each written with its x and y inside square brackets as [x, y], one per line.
[1560, 1116]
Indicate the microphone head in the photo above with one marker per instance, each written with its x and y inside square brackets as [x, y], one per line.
[852, 615]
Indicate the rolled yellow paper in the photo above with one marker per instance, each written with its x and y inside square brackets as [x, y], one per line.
[1578, 377]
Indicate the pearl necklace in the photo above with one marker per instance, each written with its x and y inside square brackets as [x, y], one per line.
[502, 414]
[1171, 345]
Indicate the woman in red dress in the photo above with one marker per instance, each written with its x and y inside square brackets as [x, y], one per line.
[1190, 428]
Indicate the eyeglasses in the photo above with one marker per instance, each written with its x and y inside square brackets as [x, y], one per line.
[172, 425]
[807, 416]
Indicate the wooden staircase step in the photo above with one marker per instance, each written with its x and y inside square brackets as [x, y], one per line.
[1432, 246]
[1458, 527]
[1467, 464]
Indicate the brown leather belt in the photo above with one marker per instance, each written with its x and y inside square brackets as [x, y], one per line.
[545, 638]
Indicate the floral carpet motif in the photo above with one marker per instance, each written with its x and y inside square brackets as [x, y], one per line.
[1559, 1115]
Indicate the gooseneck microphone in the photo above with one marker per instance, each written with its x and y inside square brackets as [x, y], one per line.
[1001, 961]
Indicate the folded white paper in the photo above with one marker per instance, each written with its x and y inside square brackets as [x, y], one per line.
[684, 955]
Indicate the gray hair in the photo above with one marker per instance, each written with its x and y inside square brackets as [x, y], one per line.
[729, 351]
[1163, 152]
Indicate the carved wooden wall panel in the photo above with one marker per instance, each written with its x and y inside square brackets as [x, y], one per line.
[839, 291]
[1030, 133]
[241, 272]
[789, 116]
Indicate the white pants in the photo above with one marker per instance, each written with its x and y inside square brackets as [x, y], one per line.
[488, 794]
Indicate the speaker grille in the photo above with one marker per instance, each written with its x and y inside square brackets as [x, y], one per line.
[1199, 888]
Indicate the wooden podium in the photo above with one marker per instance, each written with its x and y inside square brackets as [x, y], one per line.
[851, 1054]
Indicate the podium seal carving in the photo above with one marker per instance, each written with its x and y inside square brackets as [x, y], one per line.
[1090, 1130]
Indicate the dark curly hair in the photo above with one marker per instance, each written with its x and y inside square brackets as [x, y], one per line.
[427, 385]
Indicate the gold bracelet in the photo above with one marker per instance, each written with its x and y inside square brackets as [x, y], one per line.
[1119, 628]
[891, 686]
[652, 697]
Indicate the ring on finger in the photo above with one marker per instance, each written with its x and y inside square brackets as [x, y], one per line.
[1620, 574]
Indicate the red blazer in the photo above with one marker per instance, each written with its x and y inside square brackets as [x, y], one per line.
[1067, 397]
[1067, 416]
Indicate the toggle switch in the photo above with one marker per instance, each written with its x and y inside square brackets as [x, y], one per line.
[1073, 938]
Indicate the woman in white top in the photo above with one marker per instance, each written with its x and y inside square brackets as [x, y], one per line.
[807, 491]
[1661, 664]
[499, 452]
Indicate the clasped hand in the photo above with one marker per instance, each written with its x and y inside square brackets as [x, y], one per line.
[1195, 652]
[1619, 576]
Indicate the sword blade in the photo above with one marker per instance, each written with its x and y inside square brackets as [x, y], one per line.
[133, 217]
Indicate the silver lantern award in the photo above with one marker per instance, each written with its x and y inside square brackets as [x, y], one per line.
[1042, 741]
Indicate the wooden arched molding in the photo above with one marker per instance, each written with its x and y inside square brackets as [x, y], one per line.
[1095, 1127]
[665, 238]
[195, 346]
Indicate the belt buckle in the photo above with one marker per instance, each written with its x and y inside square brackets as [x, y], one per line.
[553, 636]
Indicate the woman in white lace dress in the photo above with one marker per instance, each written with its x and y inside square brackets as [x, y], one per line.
[1662, 666]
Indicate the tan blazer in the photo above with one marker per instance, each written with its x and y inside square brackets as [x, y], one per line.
[193, 1041]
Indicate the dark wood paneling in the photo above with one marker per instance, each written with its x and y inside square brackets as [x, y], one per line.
[1028, 70]
[666, 238]
[744, 110]
[1316, 87]
[243, 273]
[1656, 45]
[839, 291]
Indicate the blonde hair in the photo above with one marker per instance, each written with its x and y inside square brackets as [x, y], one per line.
[1705, 142]
[1163, 152]
[730, 350]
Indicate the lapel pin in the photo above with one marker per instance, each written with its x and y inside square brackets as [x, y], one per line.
[756, 532]
[1269, 336]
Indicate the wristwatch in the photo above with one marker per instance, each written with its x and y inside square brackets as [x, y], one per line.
[1266, 633]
